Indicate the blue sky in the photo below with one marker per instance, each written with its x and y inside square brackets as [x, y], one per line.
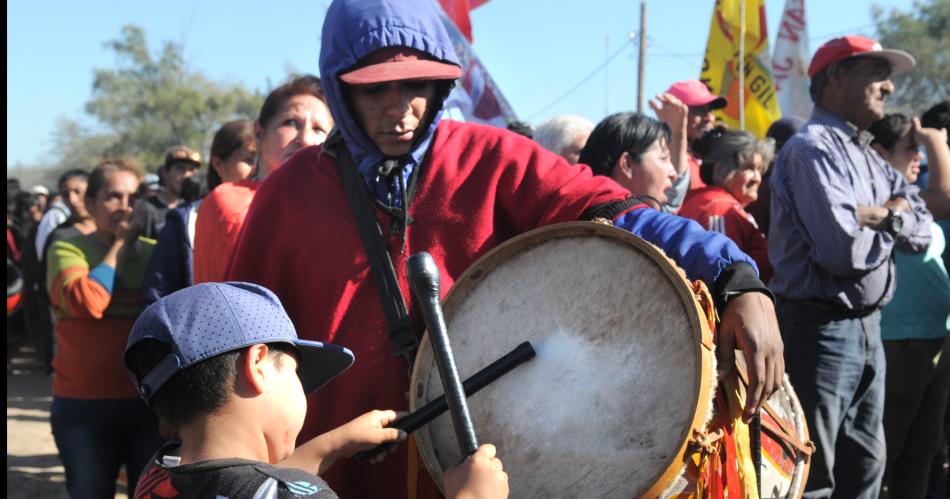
[536, 50]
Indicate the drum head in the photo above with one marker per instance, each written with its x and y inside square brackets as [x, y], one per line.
[623, 373]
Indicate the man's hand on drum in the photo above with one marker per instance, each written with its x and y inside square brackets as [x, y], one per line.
[749, 324]
[481, 476]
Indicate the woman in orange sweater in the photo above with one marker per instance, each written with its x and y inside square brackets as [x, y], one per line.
[294, 116]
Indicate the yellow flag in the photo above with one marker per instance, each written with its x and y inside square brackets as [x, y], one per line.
[721, 65]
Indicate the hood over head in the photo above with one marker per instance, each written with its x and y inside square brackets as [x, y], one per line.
[354, 29]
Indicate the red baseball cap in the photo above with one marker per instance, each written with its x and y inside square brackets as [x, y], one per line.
[843, 47]
[696, 93]
[399, 63]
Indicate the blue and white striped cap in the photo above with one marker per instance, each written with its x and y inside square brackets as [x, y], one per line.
[208, 319]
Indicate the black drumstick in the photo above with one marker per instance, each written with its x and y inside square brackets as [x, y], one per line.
[424, 279]
[436, 407]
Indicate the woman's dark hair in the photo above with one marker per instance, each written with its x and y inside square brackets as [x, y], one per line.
[98, 177]
[71, 174]
[300, 85]
[229, 138]
[618, 133]
[888, 130]
[197, 390]
[937, 117]
[193, 188]
[724, 150]
[24, 200]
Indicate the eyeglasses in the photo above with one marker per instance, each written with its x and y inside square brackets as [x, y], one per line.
[700, 110]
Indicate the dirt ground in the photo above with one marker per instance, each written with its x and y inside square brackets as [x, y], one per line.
[33, 466]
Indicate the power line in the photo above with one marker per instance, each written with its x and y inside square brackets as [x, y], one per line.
[669, 52]
[583, 81]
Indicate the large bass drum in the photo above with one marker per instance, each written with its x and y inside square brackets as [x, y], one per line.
[624, 372]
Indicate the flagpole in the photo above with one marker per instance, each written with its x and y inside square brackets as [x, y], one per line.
[742, 64]
[641, 70]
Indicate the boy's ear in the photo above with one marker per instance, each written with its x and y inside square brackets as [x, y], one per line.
[253, 365]
[624, 165]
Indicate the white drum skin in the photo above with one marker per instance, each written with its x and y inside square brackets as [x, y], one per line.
[623, 373]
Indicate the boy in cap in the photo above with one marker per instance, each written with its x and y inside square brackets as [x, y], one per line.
[221, 365]
[394, 169]
[842, 211]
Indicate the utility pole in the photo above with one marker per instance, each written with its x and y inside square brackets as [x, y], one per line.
[641, 71]
[742, 29]
[606, 74]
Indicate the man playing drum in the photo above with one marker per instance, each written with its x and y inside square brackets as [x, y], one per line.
[453, 189]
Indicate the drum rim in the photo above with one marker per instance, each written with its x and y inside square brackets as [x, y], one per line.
[703, 386]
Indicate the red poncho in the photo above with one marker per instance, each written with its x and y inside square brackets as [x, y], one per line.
[478, 187]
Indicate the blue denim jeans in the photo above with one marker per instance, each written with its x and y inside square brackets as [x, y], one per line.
[95, 437]
[836, 365]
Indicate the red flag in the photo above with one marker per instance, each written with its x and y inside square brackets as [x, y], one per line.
[476, 97]
[458, 10]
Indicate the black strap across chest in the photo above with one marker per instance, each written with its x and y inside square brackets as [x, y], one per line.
[402, 340]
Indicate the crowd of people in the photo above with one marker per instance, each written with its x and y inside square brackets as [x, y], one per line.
[823, 244]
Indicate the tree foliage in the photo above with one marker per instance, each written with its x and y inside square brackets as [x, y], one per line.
[925, 33]
[149, 103]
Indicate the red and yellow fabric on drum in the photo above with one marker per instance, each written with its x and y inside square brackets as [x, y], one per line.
[720, 463]
[721, 65]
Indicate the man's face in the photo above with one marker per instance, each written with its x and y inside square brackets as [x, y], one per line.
[73, 192]
[864, 88]
[392, 114]
[699, 121]
[176, 173]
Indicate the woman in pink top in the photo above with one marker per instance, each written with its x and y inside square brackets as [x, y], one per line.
[294, 116]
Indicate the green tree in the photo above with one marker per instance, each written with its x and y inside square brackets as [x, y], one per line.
[149, 103]
[924, 31]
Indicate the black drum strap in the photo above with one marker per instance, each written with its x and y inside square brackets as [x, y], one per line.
[402, 341]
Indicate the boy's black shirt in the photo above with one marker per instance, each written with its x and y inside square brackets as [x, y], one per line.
[225, 478]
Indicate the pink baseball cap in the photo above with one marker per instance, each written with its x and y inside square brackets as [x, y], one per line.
[399, 63]
[696, 93]
[843, 47]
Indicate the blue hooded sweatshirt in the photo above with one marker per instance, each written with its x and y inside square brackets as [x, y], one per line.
[355, 28]
[359, 28]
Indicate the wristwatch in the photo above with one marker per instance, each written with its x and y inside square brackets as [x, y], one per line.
[894, 222]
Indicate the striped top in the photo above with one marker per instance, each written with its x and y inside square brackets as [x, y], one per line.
[95, 307]
[817, 248]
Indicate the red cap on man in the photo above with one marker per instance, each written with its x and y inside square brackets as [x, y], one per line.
[399, 63]
[844, 47]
